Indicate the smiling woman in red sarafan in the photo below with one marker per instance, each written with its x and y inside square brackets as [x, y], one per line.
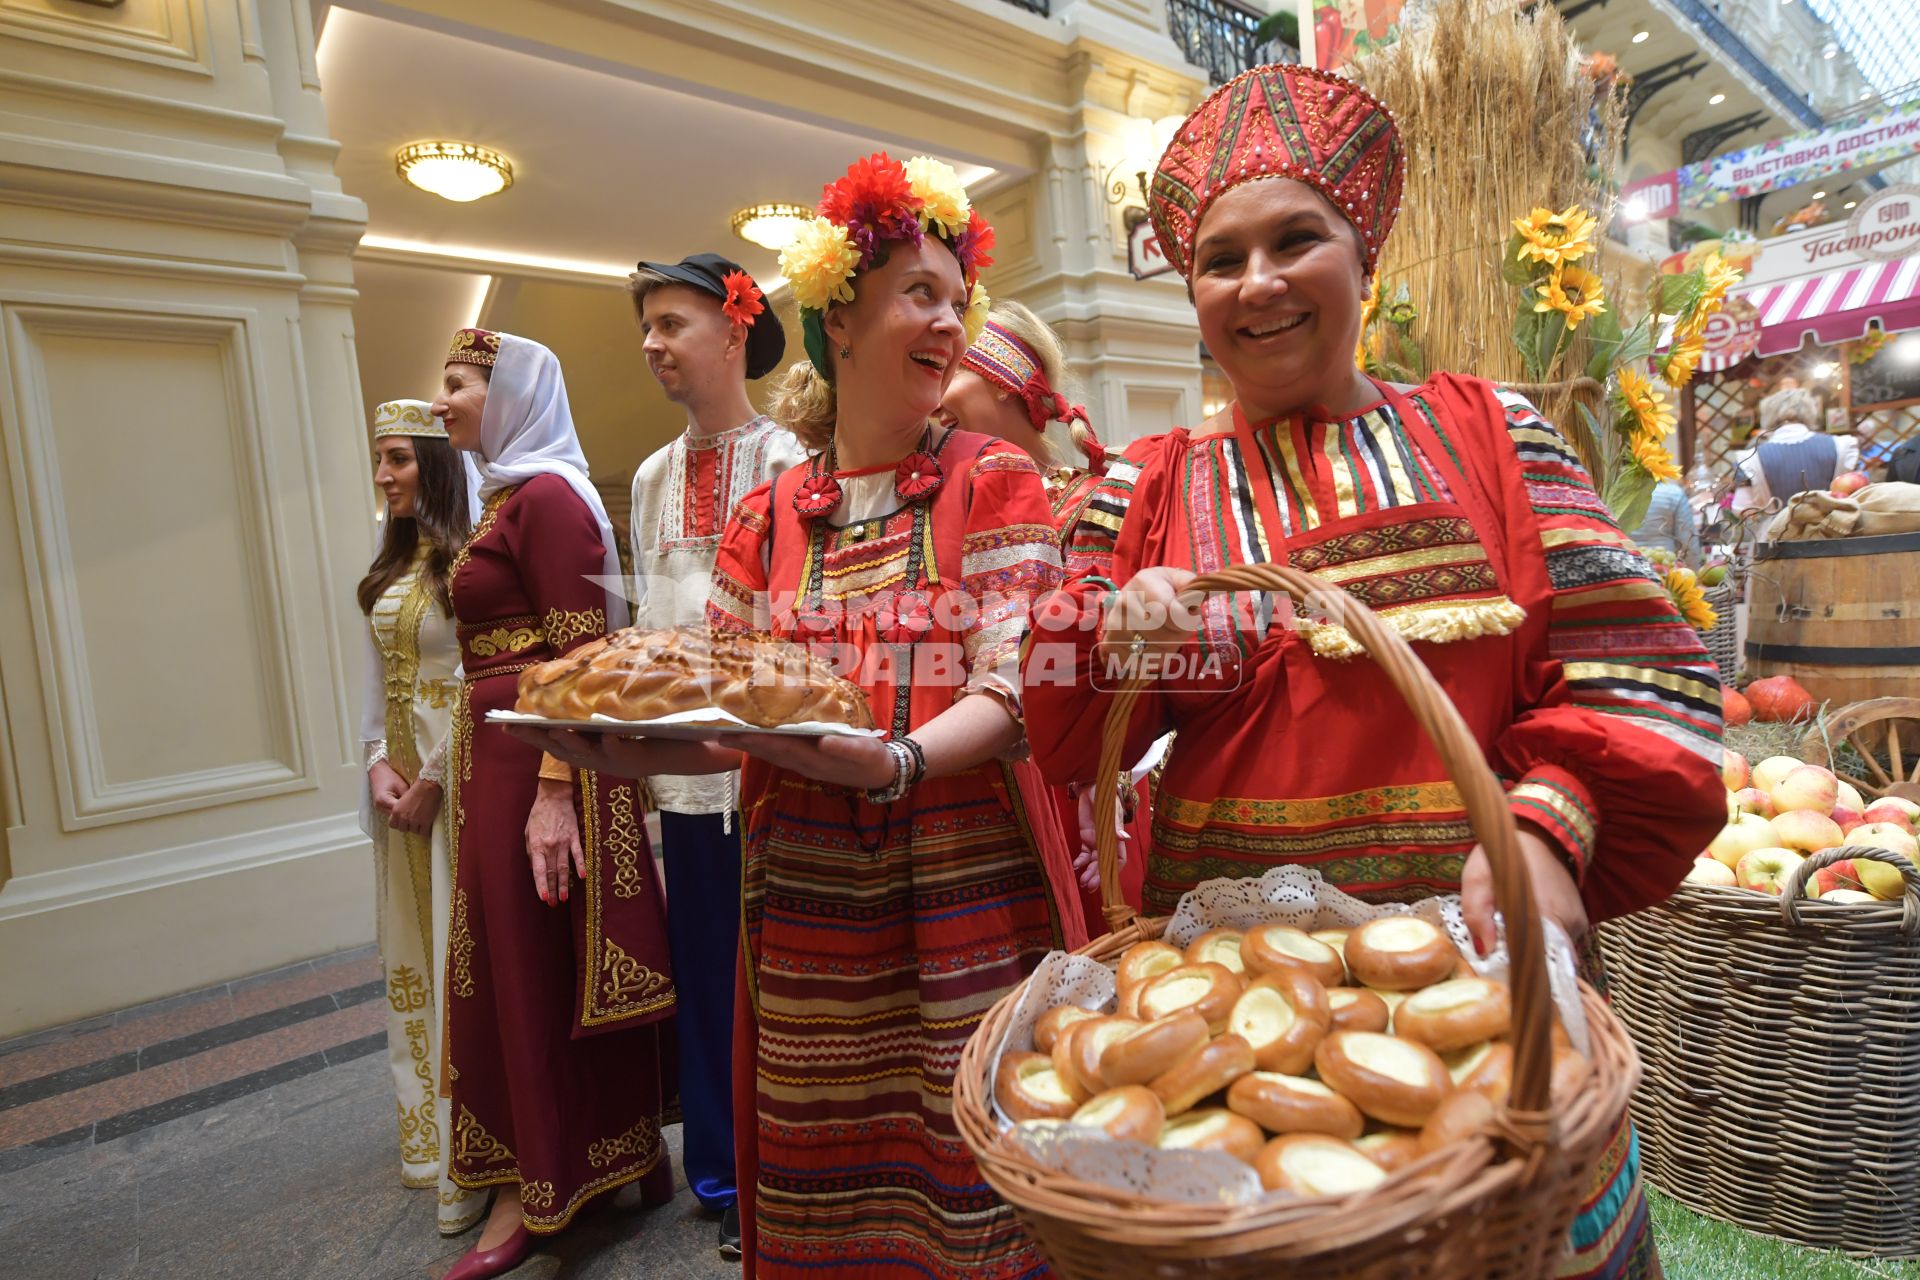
[1452, 509]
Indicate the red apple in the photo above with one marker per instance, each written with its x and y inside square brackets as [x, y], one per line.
[1848, 796]
[1742, 836]
[1848, 482]
[1806, 830]
[1769, 773]
[1884, 835]
[1753, 800]
[1710, 871]
[1889, 811]
[1766, 870]
[1846, 819]
[1734, 771]
[1905, 806]
[1833, 877]
[1808, 787]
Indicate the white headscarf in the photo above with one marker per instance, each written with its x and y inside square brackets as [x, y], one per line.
[526, 430]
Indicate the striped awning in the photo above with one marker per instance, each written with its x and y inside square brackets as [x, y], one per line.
[1837, 305]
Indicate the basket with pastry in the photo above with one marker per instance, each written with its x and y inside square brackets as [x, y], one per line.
[1281, 1079]
[689, 683]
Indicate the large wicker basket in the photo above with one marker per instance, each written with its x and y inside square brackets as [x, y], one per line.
[1782, 1038]
[1492, 1208]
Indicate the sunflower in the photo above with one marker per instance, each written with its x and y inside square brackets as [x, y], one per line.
[1555, 238]
[819, 264]
[1684, 588]
[1652, 416]
[1653, 458]
[1573, 290]
[1682, 359]
[1720, 276]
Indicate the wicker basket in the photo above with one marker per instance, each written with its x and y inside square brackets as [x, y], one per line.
[1720, 639]
[1492, 1208]
[1782, 1040]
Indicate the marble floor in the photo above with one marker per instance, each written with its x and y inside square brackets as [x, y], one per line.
[248, 1131]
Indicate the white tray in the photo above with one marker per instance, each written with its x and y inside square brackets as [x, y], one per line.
[686, 726]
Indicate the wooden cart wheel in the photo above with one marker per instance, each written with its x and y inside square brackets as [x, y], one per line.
[1884, 734]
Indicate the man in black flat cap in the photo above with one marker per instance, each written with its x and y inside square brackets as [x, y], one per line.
[707, 330]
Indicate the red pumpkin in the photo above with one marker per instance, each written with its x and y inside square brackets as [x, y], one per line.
[1735, 707]
[1779, 698]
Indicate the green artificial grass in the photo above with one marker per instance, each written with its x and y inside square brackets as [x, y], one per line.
[1697, 1248]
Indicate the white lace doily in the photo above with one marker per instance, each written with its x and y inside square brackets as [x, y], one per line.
[1284, 895]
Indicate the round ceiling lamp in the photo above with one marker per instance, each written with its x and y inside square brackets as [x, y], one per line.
[771, 226]
[459, 171]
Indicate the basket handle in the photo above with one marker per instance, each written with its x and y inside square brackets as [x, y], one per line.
[1485, 800]
[1793, 892]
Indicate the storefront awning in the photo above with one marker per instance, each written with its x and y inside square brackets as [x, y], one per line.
[1836, 305]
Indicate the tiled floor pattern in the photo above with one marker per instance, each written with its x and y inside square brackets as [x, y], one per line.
[248, 1131]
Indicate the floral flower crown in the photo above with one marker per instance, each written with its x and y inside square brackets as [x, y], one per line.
[878, 201]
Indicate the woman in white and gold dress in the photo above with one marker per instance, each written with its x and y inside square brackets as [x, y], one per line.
[411, 684]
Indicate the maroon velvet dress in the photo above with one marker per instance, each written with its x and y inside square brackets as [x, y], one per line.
[558, 1018]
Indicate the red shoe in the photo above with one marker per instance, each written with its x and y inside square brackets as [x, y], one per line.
[499, 1260]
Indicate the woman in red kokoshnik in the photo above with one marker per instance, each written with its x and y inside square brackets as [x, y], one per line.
[895, 888]
[557, 994]
[1453, 510]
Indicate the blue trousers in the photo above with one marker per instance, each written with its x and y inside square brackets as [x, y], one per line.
[703, 935]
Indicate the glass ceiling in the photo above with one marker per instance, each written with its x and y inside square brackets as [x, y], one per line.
[1884, 38]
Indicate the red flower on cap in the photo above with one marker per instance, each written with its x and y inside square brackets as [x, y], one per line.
[743, 298]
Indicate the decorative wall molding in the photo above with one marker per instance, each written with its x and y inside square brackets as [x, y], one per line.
[209, 122]
[88, 179]
[88, 796]
[137, 265]
[166, 33]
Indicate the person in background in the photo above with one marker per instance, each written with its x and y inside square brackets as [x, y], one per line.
[1794, 454]
[408, 687]
[1669, 525]
[707, 331]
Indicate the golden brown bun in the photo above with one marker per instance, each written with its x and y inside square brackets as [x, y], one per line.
[1217, 946]
[1462, 1115]
[1335, 938]
[1028, 1088]
[1208, 989]
[1357, 1009]
[1145, 960]
[1076, 1054]
[1271, 947]
[1400, 953]
[1207, 1070]
[1454, 1014]
[634, 674]
[1131, 1111]
[1391, 1149]
[1293, 1104]
[1396, 1081]
[1313, 1164]
[1283, 1014]
[1570, 1074]
[1048, 1026]
[1153, 1049]
[1486, 1069]
[1215, 1129]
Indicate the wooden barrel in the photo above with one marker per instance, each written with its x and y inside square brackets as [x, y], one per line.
[1840, 615]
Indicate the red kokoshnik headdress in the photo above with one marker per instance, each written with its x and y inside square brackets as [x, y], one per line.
[1283, 121]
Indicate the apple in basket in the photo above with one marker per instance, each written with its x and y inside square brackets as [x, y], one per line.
[1753, 800]
[1741, 837]
[1885, 835]
[1846, 819]
[1878, 880]
[1769, 773]
[1849, 797]
[1808, 787]
[1710, 871]
[1734, 771]
[1848, 895]
[1849, 482]
[1766, 870]
[1891, 811]
[1806, 831]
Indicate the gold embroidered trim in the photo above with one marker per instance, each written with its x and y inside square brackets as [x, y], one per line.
[603, 1002]
[438, 694]
[407, 990]
[623, 843]
[1433, 623]
[627, 977]
[488, 515]
[1370, 802]
[565, 626]
[471, 1141]
[420, 1124]
[460, 948]
[637, 1141]
[491, 644]
[537, 1195]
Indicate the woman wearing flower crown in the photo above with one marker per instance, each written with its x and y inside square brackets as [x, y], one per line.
[1453, 510]
[895, 887]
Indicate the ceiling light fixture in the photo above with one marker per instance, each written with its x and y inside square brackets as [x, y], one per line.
[1829, 49]
[458, 171]
[1849, 204]
[771, 226]
[1716, 99]
[1819, 195]
[1640, 37]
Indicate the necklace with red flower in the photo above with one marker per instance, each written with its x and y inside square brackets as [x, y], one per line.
[915, 478]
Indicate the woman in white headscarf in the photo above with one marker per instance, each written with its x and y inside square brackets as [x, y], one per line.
[409, 683]
[558, 991]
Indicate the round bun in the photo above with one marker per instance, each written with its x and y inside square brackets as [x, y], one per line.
[1127, 1003]
[1208, 989]
[1391, 1149]
[1028, 1088]
[1207, 1070]
[1272, 947]
[1132, 1112]
[1144, 961]
[1049, 1025]
[1151, 1050]
[1217, 946]
[1570, 1074]
[1396, 1081]
[1215, 1129]
[634, 674]
[1461, 1116]
[1400, 953]
[1357, 1009]
[1454, 1014]
[1313, 1164]
[1486, 1069]
[1283, 1015]
[1293, 1104]
[1077, 1053]
[1335, 938]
